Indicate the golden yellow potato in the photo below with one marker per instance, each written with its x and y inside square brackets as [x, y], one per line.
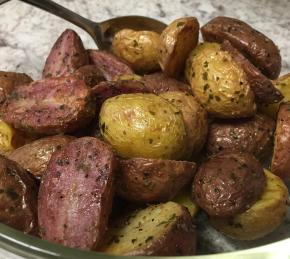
[262, 217]
[195, 119]
[219, 83]
[127, 77]
[184, 198]
[282, 84]
[177, 40]
[6, 137]
[143, 125]
[138, 48]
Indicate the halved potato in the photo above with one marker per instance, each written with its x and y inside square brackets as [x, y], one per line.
[283, 85]
[219, 82]
[184, 198]
[138, 48]
[263, 217]
[177, 40]
[6, 137]
[164, 229]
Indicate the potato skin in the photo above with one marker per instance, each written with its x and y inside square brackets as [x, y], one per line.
[281, 156]
[253, 135]
[263, 217]
[76, 194]
[166, 230]
[35, 156]
[219, 82]
[132, 124]
[66, 56]
[152, 180]
[10, 80]
[50, 106]
[138, 48]
[263, 88]
[18, 201]
[195, 119]
[159, 82]
[260, 50]
[228, 183]
[91, 74]
[177, 40]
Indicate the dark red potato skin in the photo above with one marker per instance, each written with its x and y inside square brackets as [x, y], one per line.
[50, 106]
[257, 47]
[76, 193]
[281, 156]
[253, 135]
[159, 82]
[110, 65]
[91, 74]
[263, 88]
[66, 56]
[228, 183]
[18, 199]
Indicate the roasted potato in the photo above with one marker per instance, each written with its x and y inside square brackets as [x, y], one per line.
[263, 217]
[50, 106]
[184, 198]
[35, 156]
[66, 56]
[281, 156]
[164, 229]
[138, 48]
[253, 135]
[6, 137]
[76, 194]
[143, 125]
[177, 40]
[10, 80]
[18, 199]
[133, 77]
[195, 119]
[146, 180]
[110, 65]
[263, 88]
[261, 50]
[228, 184]
[159, 82]
[91, 74]
[219, 82]
[283, 85]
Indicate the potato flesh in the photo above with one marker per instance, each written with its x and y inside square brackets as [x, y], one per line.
[6, 137]
[142, 228]
[143, 125]
[262, 217]
[219, 83]
[183, 198]
[138, 48]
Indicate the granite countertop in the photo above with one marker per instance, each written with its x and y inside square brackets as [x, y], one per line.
[27, 34]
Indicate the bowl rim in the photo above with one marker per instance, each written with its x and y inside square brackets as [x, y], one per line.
[33, 247]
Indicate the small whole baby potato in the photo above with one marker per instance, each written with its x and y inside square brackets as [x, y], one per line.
[138, 48]
[143, 125]
[228, 183]
[263, 217]
[219, 82]
[195, 119]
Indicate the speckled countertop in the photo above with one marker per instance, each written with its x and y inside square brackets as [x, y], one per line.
[27, 34]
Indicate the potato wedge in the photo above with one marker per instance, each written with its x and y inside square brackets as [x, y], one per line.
[177, 40]
[184, 198]
[281, 156]
[195, 119]
[138, 48]
[263, 217]
[219, 82]
[260, 50]
[164, 229]
[153, 180]
[91, 74]
[283, 85]
[143, 125]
